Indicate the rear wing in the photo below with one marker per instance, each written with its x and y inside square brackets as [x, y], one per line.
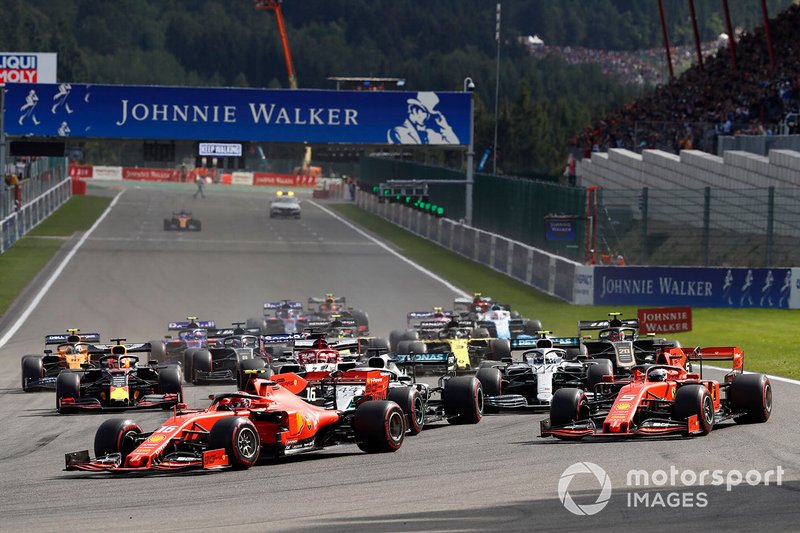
[557, 342]
[587, 325]
[716, 353]
[284, 303]
[283, 338]
[71, 337]
[140, 347]
[175, 326]
[341, 345]
[442, 358]
[321, 324]
[337, 300]
[227, 332]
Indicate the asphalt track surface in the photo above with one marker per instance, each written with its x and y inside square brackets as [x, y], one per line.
[130, 278]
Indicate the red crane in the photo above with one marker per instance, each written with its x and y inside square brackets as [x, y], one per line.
[275, 6]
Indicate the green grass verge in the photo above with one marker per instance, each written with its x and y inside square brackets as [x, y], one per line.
[20, 263]
[767, 336]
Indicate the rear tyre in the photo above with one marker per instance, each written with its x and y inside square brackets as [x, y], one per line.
[188, 360]
[242, 378]
[259, 323]
[480, 333]
[463, 400]
[378, 344]
[68, 385]
[201, 362]
[394, 338]
[116, 435]
[171, 382]
[499, 349]
[379, 426]
[410, 335]
[410, 401]
[695, 400]
[158, 351]
[362, 320]
[752, 393]
[32, 368]
[531, 327]
[595, 373]
[239, 438]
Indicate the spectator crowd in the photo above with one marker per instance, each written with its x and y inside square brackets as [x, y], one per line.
[691, 110]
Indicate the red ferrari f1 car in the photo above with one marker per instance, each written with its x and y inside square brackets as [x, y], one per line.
[265, 420]
[661, 399]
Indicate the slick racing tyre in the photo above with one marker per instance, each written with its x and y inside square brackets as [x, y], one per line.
[463, 400]
[68, 385]
[116, 435]
[596, 371]
[394, 338]
[751, 393]
[499, 349]
[170, 381]
[695, 400]
[568, 405]
[379, 426]
[239, 438]
[259, 323]
[32, 369]
[188, 360]
[491, 379]
[410, 401]
[158, 352]
[201, 362]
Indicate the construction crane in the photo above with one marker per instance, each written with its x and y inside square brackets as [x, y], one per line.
[275, 6]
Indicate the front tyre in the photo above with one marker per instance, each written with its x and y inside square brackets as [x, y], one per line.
[32, 369]
[116, 435]
[239, 438]
[68, 385]
[693, 400]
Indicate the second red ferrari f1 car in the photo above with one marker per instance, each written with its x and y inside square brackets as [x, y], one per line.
[661, 399]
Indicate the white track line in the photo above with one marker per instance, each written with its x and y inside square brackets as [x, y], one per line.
[35, 302]
[461, 293]
[388, 249]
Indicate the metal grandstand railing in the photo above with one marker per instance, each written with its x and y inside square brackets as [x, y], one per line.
[706, 227]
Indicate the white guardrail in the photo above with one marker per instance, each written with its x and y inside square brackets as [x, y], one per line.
[29, 215]
[559, 277]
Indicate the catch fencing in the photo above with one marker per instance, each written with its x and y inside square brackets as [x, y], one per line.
[545, 271]
[41, 195]
[756, 227]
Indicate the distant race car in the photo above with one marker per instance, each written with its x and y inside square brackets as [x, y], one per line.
[285, 205]
[119, 382]
[182, 221]
[660, 399]
[323, 308]
[282, 316]
[226, 351]
[192, 334]
[499, 319]
[267, 419]
[39, 372]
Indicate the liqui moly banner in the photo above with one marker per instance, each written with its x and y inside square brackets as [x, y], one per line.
[231, 114]
[27, 67]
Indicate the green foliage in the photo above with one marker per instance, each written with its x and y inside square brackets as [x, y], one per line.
[433, 45]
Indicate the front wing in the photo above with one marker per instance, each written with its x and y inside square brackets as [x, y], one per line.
[651, 426]
[148, 401]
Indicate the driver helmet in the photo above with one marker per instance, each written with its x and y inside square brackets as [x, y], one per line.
[198, 334]
[69, 350]
[236, 343]
[659, 374]
[110, 363]
[616, 335]
[229, 404]
[496, 307]
[438, 313]
[125, 363]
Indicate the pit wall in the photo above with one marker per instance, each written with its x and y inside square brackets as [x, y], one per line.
[599, 285]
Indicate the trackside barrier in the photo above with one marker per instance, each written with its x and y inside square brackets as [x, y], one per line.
[175, 175]
[565, 279]
[30, 214]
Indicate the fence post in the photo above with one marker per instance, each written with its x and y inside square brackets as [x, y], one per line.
[770, 225]
[706, 222]
[643, 206]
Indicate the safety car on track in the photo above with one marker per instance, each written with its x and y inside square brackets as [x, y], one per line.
[285, 205]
